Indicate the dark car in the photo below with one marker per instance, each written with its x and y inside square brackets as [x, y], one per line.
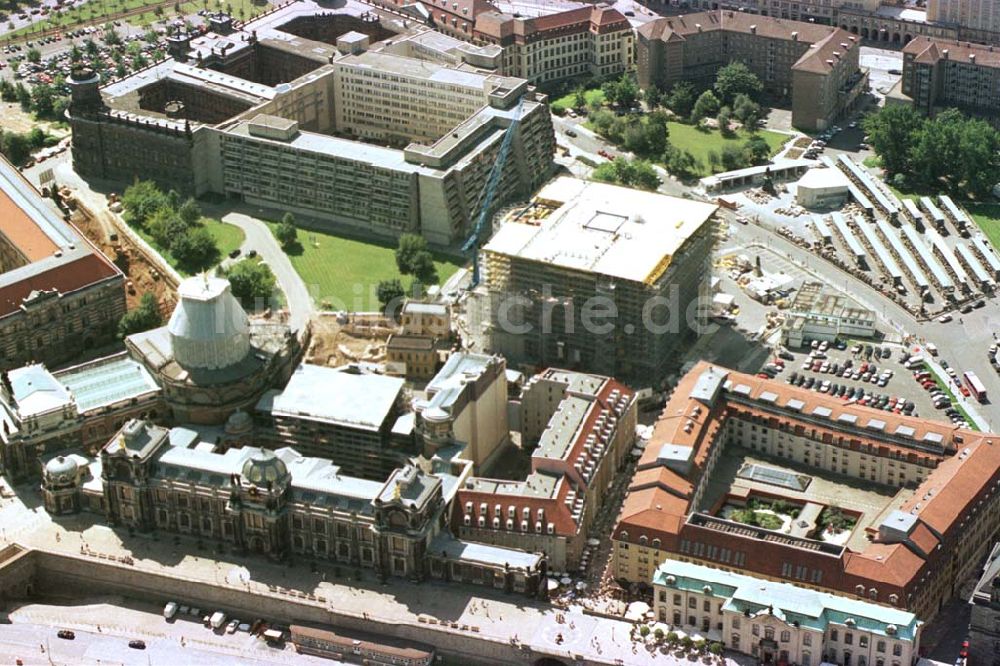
[235, 253]
[137, 645]
[786, 355]
[979, 304]
[886, 352]
[966, 309]
[66, 633]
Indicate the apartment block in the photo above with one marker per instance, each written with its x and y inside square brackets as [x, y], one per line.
[359, 132]
[973, 16]
[939, 74]
[917, 503]
[814, 67]
[587, 41]
[588, 432]
[638, 257]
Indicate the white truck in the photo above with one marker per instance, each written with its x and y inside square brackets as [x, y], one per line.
[218, 619]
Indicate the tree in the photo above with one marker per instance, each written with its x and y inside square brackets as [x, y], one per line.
[189, 212]
[979, 143]
[195, 249]
[34, 55]
[15, 146]
[757, 151]
[732, 157]
[165, 225]
[252, 282]
[747, 111]
[637, 173]
[724, 117]
[285, 231]
[144, 316]
[423, 268]
[390, 293]
[141, 200]
[734, 79]
[407, 248]
[681, 163]
[621, 92]
[891, 132]
[935, 158]
[579, 98]
[707, 105]
[681, 98]
[42, 100]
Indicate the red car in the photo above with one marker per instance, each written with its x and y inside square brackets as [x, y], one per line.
[964, 652]
[965, 391]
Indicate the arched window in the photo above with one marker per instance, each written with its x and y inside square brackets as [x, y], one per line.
[873, 594]
[624, 536]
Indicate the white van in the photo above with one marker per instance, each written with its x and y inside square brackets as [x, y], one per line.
[218, 619]
[170, 610]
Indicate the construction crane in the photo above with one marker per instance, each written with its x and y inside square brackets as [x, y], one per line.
[489, 191]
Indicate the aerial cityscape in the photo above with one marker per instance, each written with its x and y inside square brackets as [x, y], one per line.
[530, 332]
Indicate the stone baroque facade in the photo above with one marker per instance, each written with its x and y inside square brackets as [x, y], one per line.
[813, 66]
[280, 503]
[59, 296]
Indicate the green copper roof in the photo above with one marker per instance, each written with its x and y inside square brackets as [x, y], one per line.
[791, 603]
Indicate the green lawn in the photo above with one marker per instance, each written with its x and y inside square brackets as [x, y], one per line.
[343, 273]
[987, 216]
[593, 96]
[227, 238]
[699, 142]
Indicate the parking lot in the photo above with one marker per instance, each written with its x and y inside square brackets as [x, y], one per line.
[864, 373]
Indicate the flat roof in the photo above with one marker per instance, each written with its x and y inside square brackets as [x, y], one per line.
[27, 220]
[345, 149]
[604, 229]
[466, 551]
[560, 433]
[36, 391]
[319, 393]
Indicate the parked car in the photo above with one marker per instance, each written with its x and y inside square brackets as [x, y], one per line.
[137, 644]
[66, 634]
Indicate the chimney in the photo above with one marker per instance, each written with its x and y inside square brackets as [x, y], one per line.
[836, 54]
[698, 25]
[830, 63]
[972, 58]
[944, 53]
[853, 38]
[843, 45]
[753, 29]
[795, 36]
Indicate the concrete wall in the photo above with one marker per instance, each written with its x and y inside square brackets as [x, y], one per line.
[57, 573]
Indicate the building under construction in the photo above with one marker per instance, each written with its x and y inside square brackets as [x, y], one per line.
[595, 277]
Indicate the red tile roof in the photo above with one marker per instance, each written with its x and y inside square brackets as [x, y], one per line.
[64, 277]
[658, 503]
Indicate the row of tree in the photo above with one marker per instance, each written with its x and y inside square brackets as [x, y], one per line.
[44, 100]
[947, 152]
[18, 146]
[174, 225]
